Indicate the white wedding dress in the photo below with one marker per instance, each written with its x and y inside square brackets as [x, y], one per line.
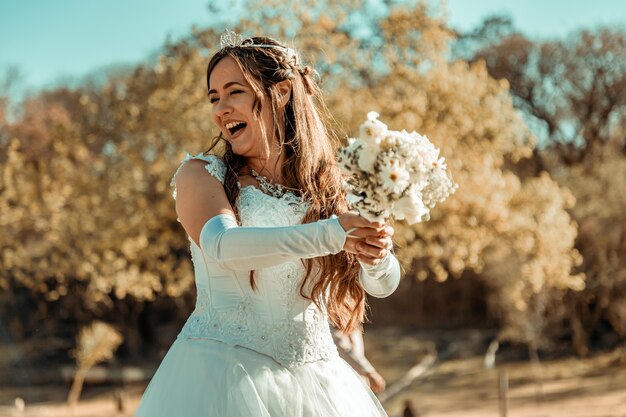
[262, 352]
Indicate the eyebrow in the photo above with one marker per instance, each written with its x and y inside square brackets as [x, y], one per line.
[212, 91]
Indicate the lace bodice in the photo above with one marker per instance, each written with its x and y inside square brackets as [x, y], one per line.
[274, 319]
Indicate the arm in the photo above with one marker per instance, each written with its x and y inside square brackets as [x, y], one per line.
[247, 248]
[207, 217]
[350, 348]
[359, 363]
[346, 351]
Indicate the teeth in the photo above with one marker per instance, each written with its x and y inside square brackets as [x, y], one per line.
[233, 124]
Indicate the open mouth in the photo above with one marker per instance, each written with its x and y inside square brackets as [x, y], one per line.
[235, 127]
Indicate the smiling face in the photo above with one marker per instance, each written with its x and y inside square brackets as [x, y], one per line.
[233, 102]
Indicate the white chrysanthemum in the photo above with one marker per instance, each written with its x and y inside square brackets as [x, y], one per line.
[372, 130]
[395, 178]
[391, 140]
[441, 163]
[410, 207]
[389, 160]
[367, 157]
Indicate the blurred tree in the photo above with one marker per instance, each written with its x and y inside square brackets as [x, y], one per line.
[86, 207]
[489, 32]
[573, 93]
[10, 80]
[598, 313]
[79, 172]
[95, 343]
[573, 88]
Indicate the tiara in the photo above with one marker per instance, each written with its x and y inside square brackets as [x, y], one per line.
[230, 39]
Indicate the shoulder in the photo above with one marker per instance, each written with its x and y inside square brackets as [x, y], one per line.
[211, 163]
[194, 168]
[199, 192]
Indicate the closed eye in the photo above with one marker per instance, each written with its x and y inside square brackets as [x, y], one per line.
[215, 99]
[212, 97]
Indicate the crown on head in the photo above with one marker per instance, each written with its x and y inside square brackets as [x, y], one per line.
[230, 39]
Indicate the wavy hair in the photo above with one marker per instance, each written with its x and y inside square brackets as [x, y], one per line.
[332, 281]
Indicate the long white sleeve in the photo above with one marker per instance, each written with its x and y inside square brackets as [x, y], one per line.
[381, 280]
[250, 248]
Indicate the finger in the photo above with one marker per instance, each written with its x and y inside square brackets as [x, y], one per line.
[350, 245]
[370, 251]
[359, 246]
[362, 232]
[376, 233]
[363, 222]
[379, 249]
[368, 260]
[377, 225]
[384, 243]
[388, 231]
[358, 233]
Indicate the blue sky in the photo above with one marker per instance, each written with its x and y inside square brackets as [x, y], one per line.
[54, 40]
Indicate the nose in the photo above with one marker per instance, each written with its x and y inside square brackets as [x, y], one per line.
[222, 108]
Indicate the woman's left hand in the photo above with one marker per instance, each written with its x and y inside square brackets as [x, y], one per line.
[376, 382]
[373, 248]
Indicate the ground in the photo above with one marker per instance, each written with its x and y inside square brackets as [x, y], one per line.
[461, 386]
[456, 385]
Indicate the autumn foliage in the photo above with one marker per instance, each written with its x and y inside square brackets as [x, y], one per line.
[88, 223]
[572, 92]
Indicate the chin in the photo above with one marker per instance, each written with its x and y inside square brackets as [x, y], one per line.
[238, 150]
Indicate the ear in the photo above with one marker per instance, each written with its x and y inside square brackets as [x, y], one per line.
[283, 88]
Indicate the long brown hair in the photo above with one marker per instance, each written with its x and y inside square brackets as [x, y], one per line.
[309, 166]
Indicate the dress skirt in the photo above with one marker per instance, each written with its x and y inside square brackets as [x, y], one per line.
[208, 378]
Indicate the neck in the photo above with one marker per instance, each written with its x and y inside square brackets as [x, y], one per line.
[271, 168]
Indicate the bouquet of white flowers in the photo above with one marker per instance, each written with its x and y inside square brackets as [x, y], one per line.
[393, 173]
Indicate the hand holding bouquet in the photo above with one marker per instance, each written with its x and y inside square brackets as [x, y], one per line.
[393, 173]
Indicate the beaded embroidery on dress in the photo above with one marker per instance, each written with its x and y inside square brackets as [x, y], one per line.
[263, 352]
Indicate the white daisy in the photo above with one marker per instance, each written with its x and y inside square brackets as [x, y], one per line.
[395, 178]
[372, 130]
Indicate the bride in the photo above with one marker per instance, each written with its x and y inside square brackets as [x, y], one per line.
[275, 251]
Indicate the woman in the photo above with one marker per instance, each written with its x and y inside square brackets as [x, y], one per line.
[276, 254]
